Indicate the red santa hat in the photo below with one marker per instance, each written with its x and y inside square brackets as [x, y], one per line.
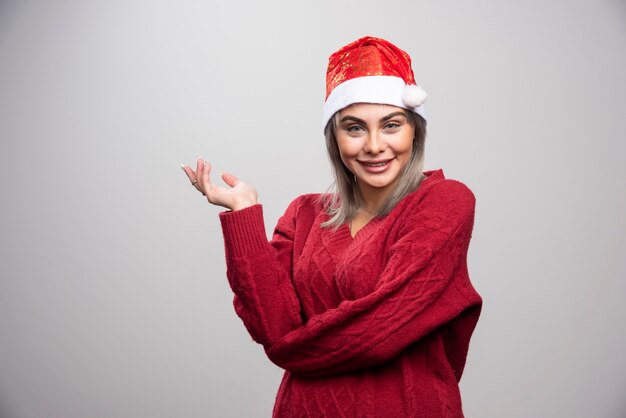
[371, 70]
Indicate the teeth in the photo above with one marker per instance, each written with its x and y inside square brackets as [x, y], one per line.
[376, 164]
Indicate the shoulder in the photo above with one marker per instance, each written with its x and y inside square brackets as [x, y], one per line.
[307, 202]
[438, 204]
[303, 207]
[438, 190]
[439, 209]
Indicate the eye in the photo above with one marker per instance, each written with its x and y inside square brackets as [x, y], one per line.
[392, 125]
[354, 128]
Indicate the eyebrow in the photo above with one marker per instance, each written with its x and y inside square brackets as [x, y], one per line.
[383, 119]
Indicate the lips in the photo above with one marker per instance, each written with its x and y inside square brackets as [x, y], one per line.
[376, 166]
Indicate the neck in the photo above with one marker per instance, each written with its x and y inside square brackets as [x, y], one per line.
[374, 198]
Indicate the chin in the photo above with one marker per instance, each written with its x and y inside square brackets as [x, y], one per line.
[381, 184]
[382, 181]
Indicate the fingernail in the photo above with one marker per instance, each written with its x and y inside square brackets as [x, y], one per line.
[182, 166]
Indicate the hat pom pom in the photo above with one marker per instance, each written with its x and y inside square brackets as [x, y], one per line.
[413, 95]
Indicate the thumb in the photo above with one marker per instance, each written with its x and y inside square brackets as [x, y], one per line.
[229, 179]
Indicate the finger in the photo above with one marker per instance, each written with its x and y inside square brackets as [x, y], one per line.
[205, 168]
[189, 172]
[206, 178]
[199, 168]
[230, 179]
[193, 179]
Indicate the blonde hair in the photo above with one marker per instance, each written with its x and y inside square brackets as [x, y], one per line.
[343, 204]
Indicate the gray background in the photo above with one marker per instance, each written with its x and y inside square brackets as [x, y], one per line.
[113, 297]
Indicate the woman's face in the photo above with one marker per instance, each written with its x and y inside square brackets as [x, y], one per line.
[375, 143]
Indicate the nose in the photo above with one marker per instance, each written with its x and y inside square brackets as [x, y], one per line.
[374, 143]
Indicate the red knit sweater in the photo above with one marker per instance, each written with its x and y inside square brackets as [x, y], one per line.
[372, 326]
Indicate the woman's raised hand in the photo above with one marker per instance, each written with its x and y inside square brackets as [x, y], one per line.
[237, 195]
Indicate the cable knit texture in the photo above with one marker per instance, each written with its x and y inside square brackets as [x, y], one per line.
[372, 326]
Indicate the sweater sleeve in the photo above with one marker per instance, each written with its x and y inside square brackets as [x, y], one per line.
[423, 286]
[260, 273]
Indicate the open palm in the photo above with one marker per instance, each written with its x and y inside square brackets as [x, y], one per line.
[236, 195]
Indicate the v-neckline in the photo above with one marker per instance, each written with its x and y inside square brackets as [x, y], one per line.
[337, 241]
[368, 225]
[340, 240]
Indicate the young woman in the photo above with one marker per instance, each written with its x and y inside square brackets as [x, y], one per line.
[363, 295]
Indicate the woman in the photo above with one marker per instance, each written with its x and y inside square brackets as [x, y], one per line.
[362, 296]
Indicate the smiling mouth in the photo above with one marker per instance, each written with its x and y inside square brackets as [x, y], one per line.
[375, 163]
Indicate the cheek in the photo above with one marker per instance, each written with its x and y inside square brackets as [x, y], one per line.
[407, 149]
[348, 161]
[347, 149]
[404, 146]
[347, 153]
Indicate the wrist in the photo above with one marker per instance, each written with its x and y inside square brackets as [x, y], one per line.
[243, 204]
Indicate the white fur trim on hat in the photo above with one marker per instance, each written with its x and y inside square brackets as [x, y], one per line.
[373, 89]
[413, 95]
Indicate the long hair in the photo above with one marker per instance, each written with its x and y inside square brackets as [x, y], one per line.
[343, 204]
